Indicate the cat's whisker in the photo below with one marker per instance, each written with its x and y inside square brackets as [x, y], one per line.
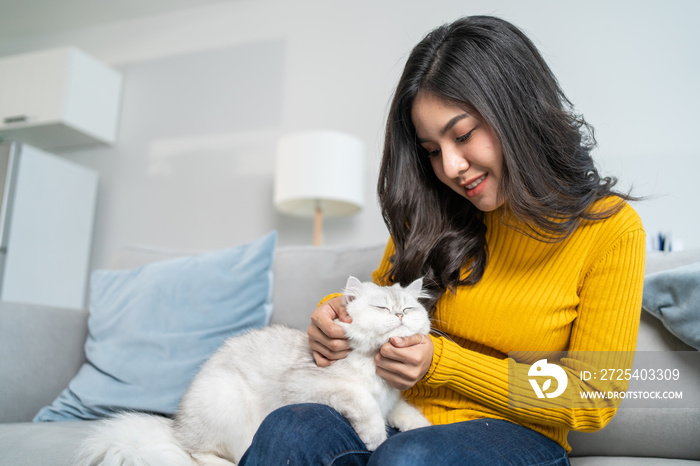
[440, 333]
[437, 320]
[434, 321]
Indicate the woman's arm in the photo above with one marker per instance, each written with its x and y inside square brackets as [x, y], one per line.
[608, 319]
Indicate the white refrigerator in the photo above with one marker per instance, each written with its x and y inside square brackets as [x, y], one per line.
[46, 226]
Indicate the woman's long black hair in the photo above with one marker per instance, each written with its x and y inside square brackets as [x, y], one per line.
[549, 179]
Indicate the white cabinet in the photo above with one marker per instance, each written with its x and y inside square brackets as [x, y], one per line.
[58, 98]
[46, 224]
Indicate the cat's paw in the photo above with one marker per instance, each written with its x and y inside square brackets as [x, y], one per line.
[373, 441]
[372, 433]
[406, 417]
[411, 422]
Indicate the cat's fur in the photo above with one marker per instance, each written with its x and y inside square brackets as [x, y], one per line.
[252, 375]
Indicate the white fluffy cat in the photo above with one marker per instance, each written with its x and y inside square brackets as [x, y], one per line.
[253, 374]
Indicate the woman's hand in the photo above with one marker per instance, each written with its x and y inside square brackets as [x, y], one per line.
[326, 338]
[402, 362]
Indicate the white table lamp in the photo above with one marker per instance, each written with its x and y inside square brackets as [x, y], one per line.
[319, 173]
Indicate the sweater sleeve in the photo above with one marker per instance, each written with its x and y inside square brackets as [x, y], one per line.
[607, 320]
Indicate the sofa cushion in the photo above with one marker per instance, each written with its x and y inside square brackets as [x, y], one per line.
[152, 327]
[629, 461]
[41, 349]
[306, 274]
[38, 444]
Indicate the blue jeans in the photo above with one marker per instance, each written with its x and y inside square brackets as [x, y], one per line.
[312, 434]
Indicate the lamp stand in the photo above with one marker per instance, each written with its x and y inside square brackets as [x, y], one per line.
[318, 224]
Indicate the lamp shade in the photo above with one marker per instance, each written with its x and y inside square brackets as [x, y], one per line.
[320, 169]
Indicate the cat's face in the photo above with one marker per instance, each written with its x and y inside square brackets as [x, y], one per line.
[379, 313]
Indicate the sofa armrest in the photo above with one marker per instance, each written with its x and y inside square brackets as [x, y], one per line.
[41, 349]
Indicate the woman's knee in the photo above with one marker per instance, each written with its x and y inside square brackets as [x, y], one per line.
[303, 434]
[405, 449]
[285, 436]
[293, 414]
[293, 421]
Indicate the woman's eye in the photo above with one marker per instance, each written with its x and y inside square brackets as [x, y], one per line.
[465, 137]
[431, 152]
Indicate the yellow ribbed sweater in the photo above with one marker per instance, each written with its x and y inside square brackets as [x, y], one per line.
[581, 294]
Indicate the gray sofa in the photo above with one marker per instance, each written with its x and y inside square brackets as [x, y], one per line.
[41, 349]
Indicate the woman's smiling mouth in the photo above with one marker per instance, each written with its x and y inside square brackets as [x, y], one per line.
[474, 183]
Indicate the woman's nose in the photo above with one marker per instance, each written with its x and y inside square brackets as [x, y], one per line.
[454, 163]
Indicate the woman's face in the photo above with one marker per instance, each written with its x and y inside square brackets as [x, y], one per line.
[464, 151]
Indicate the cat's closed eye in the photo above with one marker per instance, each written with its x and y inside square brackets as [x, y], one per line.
[382, 308]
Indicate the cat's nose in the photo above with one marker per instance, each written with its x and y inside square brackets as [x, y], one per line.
[399, 315]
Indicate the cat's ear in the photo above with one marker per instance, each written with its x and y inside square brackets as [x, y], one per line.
[352, 288]
[416, 287]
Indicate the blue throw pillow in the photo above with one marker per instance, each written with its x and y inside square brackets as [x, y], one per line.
[673, 296]
[151, 328]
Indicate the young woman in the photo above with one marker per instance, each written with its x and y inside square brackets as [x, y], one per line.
[488, 189]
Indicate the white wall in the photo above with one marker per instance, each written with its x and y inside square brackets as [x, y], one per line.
[210, 90]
